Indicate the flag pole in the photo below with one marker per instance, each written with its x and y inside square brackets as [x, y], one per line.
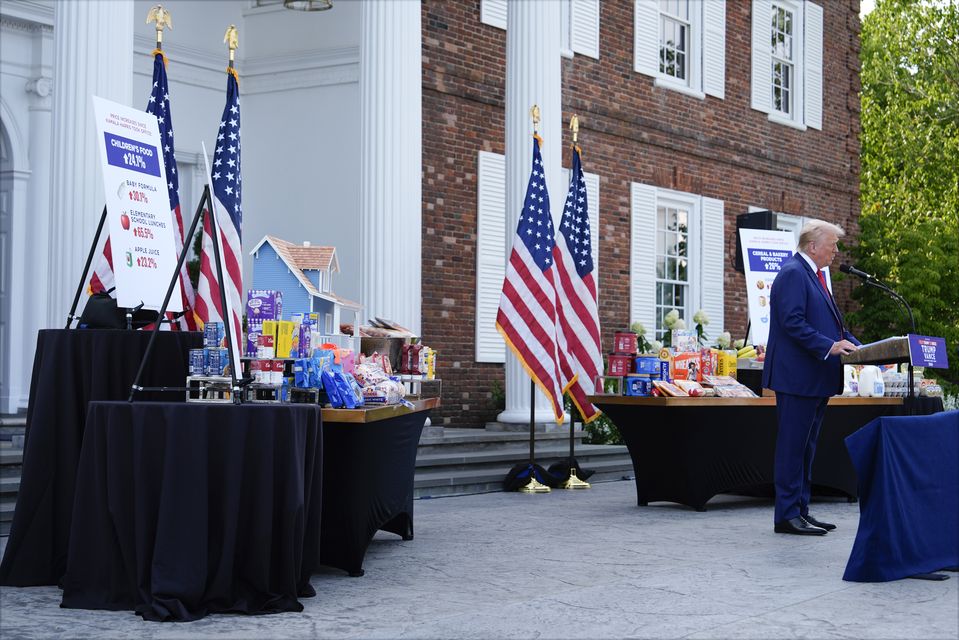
[534, 485]
[573, 482]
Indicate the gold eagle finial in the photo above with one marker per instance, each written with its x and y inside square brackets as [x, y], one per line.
[162, 18]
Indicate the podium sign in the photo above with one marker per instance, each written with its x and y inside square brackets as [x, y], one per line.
[927, 351]
[138, 206]
[764, 253]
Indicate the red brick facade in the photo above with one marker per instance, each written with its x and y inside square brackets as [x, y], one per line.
[630, 131]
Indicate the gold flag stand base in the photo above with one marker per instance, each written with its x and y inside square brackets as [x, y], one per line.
[574, 482]
[534, 486]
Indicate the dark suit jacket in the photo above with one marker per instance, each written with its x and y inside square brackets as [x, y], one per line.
[804, 323]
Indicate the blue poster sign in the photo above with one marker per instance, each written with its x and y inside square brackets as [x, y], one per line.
[767, 259]
[130, 154]
[926, 351]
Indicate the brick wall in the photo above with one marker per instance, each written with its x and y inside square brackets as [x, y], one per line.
[630, 131]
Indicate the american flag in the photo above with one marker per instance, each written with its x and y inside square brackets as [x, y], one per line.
[527, 314]
[580, 353]
[159, 105]
[229, 216]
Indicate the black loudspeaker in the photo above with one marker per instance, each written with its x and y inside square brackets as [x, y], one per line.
[752, 220]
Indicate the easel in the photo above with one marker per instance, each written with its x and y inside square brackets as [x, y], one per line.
[235, 385]
[71, 315]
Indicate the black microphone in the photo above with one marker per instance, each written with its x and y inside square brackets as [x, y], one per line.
[845, 268]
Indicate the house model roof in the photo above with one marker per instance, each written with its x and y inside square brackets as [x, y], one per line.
[306, 257]
[303, 256]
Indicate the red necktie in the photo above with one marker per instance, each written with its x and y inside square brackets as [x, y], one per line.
[822, 281]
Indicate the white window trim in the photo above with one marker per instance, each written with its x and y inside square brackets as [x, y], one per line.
[705, 230]
[694, 203]
[696, 84]
[808, 46]
[668, 82]
[798, 118]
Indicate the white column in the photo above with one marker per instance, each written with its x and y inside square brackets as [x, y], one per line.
[391, 160]
[533, 76]
[93, 55]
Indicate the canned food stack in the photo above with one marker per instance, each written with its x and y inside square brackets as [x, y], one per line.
[213, 359]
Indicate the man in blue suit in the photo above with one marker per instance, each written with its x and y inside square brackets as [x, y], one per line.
[806, 338]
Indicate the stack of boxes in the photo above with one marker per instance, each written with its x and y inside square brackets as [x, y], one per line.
[261, 306]
[638, 371]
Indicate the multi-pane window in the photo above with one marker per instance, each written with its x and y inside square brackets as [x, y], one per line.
[783, 59]
[674, 31]
[672, 263]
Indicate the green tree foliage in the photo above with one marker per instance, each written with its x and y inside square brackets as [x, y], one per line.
[910, 170]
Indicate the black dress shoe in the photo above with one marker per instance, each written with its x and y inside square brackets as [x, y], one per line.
[799, 527]
[816, 523]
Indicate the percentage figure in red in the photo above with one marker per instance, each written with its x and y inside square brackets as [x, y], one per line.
[143, 232]
[139, 196]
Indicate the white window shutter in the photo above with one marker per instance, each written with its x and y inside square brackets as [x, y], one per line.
[762, 56]
[490, 253]
[646, 37]
[714, 48]
[585, 31]
[493, 13]
[642, 256]
[713, 260]
[812, 48]
[592, 197]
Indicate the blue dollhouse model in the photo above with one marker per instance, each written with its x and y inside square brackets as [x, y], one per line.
[304, 273]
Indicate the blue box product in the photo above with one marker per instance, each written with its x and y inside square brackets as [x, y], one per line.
[213, 334]
[664, 370]
[197, 362]
[637, 385]
[217, 360]
[647, 365]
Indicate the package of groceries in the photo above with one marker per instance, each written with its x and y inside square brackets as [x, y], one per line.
[668, 389]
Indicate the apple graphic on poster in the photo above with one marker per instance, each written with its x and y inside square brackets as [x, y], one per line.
[125, 221]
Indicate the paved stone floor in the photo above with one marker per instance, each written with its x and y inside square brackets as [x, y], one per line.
[587, 564]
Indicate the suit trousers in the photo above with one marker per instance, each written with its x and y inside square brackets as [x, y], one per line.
[800, 419]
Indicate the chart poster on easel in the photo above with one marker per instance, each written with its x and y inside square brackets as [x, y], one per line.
[138, 206]
[764, 254]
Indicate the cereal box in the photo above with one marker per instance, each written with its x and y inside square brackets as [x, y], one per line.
[687, 366]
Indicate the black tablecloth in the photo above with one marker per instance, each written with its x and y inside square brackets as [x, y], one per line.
[688, 454]
[367, 485]
[189, 509]
[71, 368]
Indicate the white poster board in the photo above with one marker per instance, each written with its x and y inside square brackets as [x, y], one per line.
[764, 253]
[138, 206]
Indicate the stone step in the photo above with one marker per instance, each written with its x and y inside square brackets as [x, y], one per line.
[455, 439]
[7, 507]
[13, 420]
[481, 479]
[10, 457]
[10, 485]
[487, 456]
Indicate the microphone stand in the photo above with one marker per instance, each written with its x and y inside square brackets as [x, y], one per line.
[872, 281]
[898, 298]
